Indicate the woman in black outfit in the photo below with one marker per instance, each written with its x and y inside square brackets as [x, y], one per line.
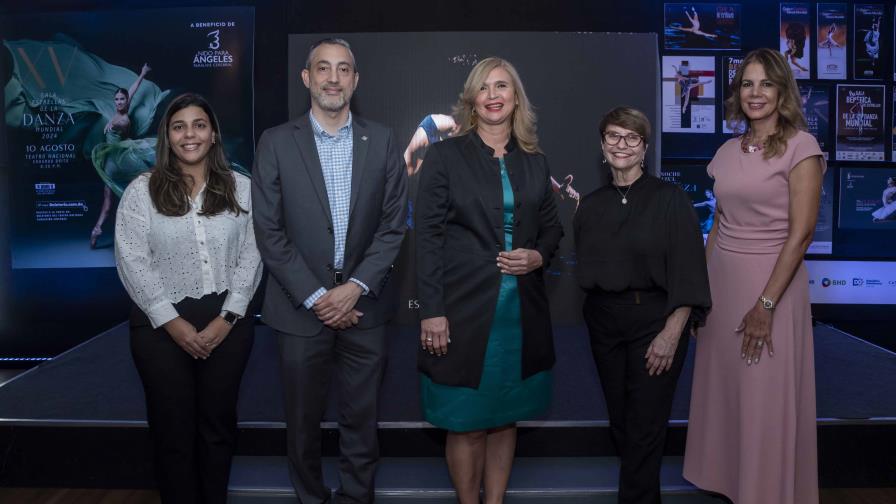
[641, 263]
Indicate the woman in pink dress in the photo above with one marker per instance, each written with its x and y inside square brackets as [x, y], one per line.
[751, 434]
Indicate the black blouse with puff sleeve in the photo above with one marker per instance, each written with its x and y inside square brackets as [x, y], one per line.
[652, 242]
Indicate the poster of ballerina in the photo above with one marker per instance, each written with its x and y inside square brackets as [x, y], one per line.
[729, 66]
[860, 122]
[796, 38]
[689, 96]
[702, 26]
[82, 111]
[817, 110]
[866, 44]
[699, 187]
[867, 198]
[832, 39]
[823, 238]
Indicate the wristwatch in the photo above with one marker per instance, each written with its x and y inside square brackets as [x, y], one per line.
[230, 317]
[767, 303]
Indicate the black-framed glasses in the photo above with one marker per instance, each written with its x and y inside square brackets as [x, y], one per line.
[613, 138]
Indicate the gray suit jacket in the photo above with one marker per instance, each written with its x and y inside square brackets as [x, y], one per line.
[294, 229]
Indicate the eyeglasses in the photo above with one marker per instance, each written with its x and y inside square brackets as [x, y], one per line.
[613, 138]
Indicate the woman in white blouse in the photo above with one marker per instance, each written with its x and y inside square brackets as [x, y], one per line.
[185, 251]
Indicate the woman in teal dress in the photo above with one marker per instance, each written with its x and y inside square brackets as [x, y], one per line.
[486, 226]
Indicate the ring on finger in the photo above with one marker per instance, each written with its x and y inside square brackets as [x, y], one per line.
[759, 344]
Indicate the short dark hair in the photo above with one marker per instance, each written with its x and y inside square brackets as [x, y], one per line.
[330, 41]
[629, 118]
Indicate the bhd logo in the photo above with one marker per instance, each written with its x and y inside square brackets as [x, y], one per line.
[827, 282]
[857, 282]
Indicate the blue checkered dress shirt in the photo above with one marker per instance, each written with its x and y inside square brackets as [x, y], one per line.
[335, 153]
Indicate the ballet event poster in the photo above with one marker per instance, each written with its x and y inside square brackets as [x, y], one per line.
[689, 97]
[816, 108]
[82, 113]
[702, 26]
[868, 198]
[893, 144]
[796, 38]
[729, 66]
[860, 122]
[832, 39]
[699, 187]
[823, 238]
[867, 40]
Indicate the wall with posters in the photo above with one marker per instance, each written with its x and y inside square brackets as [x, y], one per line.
[44, 310]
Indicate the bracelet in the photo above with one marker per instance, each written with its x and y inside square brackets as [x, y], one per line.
[767, 303]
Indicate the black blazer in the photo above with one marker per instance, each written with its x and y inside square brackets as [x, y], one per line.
[459, 230]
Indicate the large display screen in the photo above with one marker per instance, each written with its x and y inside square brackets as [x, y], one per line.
[83, 101]
[410, 81]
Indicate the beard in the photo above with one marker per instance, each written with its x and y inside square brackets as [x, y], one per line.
[330, 103]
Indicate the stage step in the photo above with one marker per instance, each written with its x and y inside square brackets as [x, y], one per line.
[417, 480]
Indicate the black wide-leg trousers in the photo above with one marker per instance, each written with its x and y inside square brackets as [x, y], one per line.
[621, 327]
[191, 403]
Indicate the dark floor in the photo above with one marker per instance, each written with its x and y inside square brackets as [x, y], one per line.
[97, 381]
[99, 496]
[879, 332]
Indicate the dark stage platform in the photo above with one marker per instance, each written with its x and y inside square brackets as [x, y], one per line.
[79, 419]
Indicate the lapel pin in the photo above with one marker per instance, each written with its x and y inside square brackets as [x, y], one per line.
[364, 138]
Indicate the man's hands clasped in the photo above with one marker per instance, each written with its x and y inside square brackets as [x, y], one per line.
[336, 308]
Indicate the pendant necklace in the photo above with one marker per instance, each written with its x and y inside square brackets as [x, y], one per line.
[624, 196]
[748, 147]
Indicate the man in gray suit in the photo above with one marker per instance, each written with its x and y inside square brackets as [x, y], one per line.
[329, 192]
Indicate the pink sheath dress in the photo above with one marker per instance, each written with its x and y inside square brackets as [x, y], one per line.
[751, 433]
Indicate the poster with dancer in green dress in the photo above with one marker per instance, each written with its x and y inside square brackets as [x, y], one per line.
[83, 94]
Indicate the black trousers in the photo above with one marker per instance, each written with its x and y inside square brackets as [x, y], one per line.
[357, 359]
[621, 327]
[191, 403]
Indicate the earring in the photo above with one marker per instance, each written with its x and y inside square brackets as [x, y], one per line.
[603, 161]
[642, 163]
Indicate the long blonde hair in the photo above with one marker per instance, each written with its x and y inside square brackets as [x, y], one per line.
[790, 110]
[523, 128]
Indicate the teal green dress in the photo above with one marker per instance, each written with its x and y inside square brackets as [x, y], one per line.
[503, 397]
[118, 161]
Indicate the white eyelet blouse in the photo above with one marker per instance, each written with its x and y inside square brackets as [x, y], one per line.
[162, 260]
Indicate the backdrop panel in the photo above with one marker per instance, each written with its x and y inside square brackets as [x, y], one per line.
[571, 78]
